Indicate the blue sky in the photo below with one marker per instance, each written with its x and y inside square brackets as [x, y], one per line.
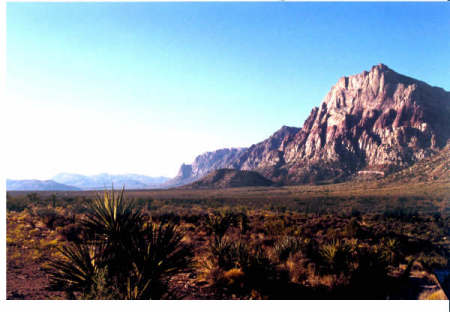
[144, 87]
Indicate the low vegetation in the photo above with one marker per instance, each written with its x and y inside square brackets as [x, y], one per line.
[325, 242]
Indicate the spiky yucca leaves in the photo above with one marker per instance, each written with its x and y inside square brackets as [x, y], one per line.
[286, 246]
[252, 265]
[158, 254]
[390, 251]
[224, 254]
[75, 272]
[219, 224]
[336, 256]
[111, 218]
[112, 223]
[224, 251]
[122, 257]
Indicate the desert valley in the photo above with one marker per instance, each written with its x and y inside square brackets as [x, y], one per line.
[353, 205]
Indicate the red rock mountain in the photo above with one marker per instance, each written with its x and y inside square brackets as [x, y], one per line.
[373, 121]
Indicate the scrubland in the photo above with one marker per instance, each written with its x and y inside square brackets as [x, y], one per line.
[355, 240]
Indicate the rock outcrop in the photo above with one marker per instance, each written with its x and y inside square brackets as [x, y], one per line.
[373, 121]
[377, 120]
[203, 164]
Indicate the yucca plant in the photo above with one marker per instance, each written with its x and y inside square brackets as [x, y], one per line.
[336, 256]
[75, 271]
[219, 224]
[113, 223]
[122, 257]
[111, 218]
[157, 254]
[286, 246]
[242, 222]
[389, 250]
[224, 251]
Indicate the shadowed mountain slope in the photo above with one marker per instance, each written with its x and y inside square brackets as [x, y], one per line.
[225, 178]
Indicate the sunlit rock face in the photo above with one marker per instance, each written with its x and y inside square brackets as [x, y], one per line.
[377, 120]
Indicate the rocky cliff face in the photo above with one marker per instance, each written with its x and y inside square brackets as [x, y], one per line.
[205, 163]
[267, 157]
[377, 120]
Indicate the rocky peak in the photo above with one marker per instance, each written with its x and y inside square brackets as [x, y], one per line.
[377, 120]
[184, 172]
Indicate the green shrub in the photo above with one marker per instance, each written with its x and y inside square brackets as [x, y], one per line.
[336, 257]
[122, 256]
[15, 203]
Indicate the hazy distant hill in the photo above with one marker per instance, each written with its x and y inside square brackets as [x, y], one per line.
[37, 185]
[104, 180]
[225, 178]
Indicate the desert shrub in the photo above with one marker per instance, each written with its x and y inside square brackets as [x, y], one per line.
[166, 217]
[311, 251]
[335, 257]
[257, 267]
[390, 250]
[433, 261]
[286, 246]
[275, 227]
[369, 279]
[353, 229]
[15, 203]
[33, 198]
[122, 257]
[157, 254]
[193, 218]
[226, 252]
[72, 232]
[242, 222]
[402, 214]
[50, 217]
[235, 267]
[218, 224]
[53, 200]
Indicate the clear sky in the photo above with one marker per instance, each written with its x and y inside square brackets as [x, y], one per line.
[144, 87]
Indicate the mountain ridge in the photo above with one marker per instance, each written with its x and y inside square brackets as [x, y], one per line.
[226, 178]
[37, 185]
[105, 180]
[78, 182]
[375, 120]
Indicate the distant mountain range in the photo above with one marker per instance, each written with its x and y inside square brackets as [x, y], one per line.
[104, 180]
[37, 185]
[378, 122]
[375, 121]
[71, 181]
